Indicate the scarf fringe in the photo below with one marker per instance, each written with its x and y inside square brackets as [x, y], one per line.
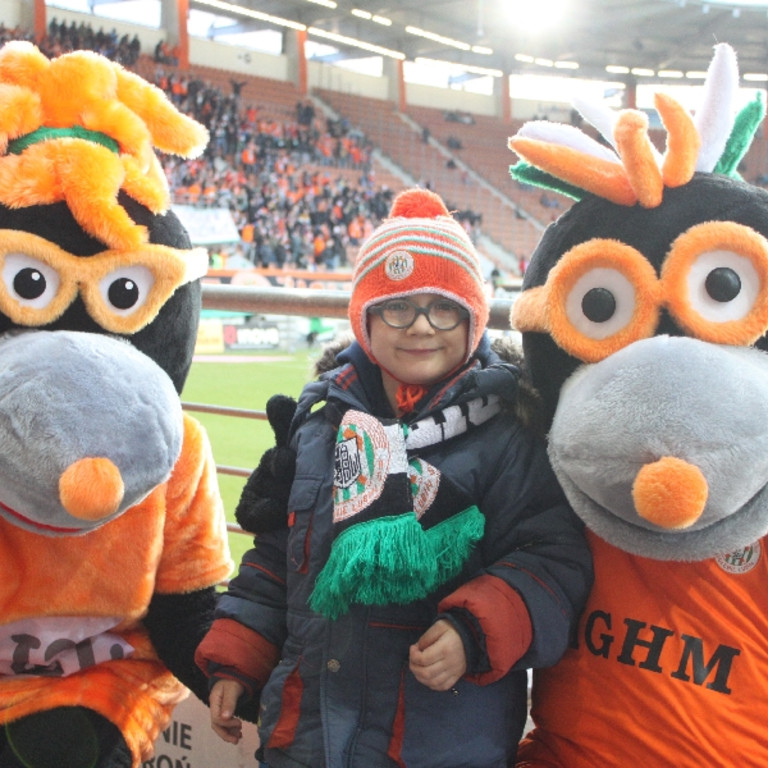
[453, 540]
[394, 560]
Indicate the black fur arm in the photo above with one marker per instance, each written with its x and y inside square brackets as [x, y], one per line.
[176, 625]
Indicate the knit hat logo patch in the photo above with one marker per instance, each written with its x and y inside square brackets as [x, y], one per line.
[399, 265]
[364, 458]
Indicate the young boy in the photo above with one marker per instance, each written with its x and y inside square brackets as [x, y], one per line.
[429, 557]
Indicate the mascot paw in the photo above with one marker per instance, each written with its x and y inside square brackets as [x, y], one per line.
[263, 505]
[57, 738]
[65, 737]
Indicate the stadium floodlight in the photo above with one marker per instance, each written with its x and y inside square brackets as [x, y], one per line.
[437, 38]
[355, 43]
[240, 11]
[368, 16]
[459, 67]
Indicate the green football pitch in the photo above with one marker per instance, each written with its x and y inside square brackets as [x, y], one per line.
[242, 381]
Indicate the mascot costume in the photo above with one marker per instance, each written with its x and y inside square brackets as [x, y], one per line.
[112, 533]
[644, 316]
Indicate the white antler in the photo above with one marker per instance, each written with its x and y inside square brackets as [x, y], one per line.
[714, 119]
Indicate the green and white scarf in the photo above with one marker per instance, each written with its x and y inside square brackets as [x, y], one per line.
[401, 527]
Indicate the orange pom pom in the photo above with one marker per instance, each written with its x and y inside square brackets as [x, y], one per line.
[670, 493]
[91, 489]
[418, 204]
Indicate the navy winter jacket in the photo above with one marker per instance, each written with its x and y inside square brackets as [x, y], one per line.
[338, 693]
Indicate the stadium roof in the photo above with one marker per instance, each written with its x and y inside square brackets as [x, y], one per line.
[650, 35]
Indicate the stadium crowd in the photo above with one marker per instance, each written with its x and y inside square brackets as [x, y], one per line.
[278, 177]
[257, 166]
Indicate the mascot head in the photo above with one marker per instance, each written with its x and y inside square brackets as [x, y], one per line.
[644, 315]
[100, 290]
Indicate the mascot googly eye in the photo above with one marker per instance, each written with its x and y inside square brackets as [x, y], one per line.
[644, 316]
[112, 533]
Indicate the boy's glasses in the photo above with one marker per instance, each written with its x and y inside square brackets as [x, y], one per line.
[442, 315]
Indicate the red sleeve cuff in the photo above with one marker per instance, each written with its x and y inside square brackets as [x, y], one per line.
[230, 644]
[503, 617]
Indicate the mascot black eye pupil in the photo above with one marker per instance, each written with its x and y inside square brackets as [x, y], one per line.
[29, 283]
[598, 305]
[723, 284]
[123, 293]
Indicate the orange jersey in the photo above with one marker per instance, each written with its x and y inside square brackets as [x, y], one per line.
[174, 541]
[670, 668]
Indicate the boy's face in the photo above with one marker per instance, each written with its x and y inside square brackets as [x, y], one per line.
[418, 354]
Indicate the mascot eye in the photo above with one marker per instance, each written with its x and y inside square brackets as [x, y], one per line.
[125, 290]
[601, 303]
[29, 281]
[601, 295]
[123, 293]
[723, 284]
[598, 305]
[715, 281]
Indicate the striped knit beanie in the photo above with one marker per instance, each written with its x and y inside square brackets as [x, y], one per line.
[420, 248]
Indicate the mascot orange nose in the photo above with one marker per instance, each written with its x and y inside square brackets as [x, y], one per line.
[91, 489]
[670, 493]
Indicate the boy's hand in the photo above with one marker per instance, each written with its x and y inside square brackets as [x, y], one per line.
[223, 699]
[437, 660]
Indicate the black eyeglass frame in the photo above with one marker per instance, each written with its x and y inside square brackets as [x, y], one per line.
[379, 309]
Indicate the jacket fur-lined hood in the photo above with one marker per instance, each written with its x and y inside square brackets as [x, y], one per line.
[527, 406]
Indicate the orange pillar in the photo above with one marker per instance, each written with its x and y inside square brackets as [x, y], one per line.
[41, 25]
[506, 105]
[401, 100]
[303, 77]
[182, 8]
[631, 97]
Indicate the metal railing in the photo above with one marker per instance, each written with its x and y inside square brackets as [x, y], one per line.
[308, 302]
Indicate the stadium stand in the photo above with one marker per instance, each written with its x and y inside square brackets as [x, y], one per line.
[291, 182]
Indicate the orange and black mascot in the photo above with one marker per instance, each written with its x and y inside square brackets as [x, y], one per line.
[644, 316]
[112, 534]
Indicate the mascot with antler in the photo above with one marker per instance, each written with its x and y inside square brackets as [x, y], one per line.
[644, 316]
[112, 534]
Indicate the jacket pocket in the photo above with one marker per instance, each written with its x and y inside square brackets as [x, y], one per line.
[286, 718]
[301, 507]
[290, 718]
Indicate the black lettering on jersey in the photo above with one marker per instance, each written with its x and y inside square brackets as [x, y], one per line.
[641, 645]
